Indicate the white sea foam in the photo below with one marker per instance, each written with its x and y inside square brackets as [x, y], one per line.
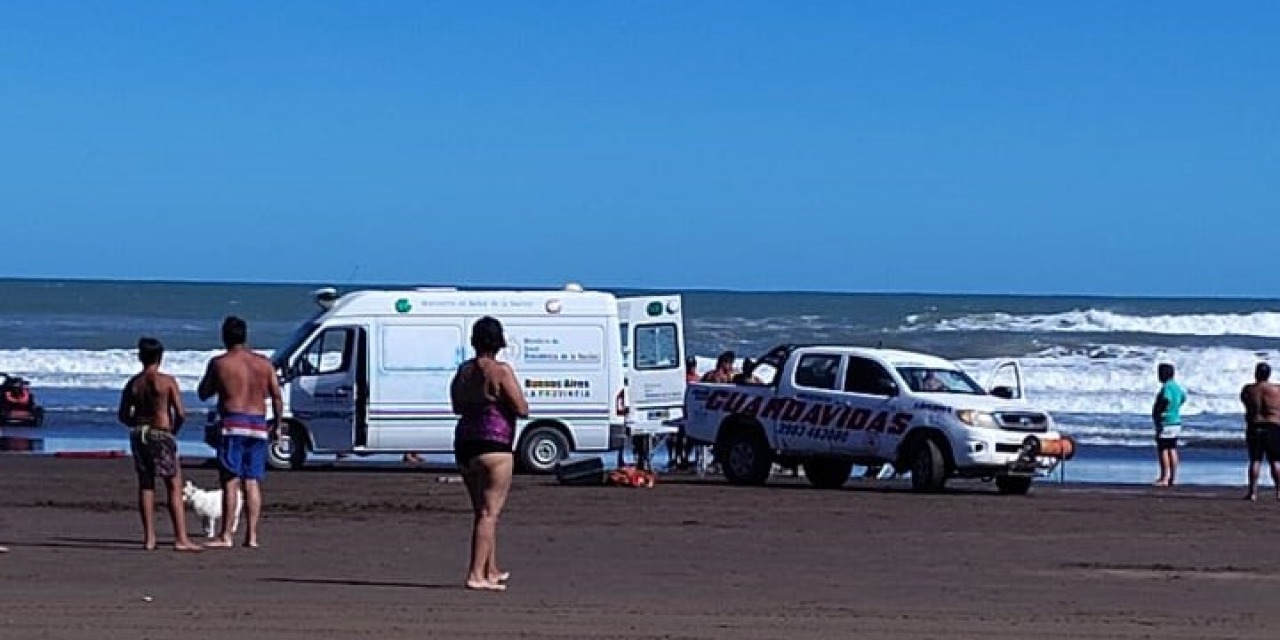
[1103, 380]
[1261, 323]
[104, 369]
[1120, 380]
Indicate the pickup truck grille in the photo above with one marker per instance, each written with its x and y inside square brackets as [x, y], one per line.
[1023, 421]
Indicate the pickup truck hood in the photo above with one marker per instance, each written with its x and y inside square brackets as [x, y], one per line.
[977, 403]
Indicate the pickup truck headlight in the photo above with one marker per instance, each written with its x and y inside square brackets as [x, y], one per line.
[977, 419]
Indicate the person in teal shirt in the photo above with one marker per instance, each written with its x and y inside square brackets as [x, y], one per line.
[1167, 415]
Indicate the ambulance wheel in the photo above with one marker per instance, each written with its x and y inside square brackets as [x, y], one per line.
[1013, 485]
[827, 474]
[540, 449]
[928, 467]
[746, 458]
[290, 450]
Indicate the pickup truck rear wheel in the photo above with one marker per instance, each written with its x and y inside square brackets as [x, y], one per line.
[1013, 485]
[746, 457]
[827, 474]
[928, 467]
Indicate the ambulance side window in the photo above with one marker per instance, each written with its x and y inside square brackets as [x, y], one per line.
[818, 371]
[330, 352]
[626, 342]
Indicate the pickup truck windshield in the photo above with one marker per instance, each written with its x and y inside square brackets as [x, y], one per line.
[926, 380]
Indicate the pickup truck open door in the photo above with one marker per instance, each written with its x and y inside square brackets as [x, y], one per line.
[999, 383]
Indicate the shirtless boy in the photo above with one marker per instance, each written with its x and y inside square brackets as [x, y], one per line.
[242, 380]
[1261, 401]
[151, 406]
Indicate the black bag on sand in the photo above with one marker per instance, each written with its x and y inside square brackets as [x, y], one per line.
[581, 473]
[213, 434]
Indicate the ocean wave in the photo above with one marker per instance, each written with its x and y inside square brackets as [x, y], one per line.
[1097, 379]
[1119, 379]
[1260, 323]
[98, 369]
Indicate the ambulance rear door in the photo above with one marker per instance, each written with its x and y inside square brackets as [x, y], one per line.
[653, 349]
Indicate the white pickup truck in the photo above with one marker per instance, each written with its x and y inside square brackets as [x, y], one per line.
[829, 408]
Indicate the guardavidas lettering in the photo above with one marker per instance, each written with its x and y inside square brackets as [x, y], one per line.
[818, 414]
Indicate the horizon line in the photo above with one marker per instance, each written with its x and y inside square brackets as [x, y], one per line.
[686, 289]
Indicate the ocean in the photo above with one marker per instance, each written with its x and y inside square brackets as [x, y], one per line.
[1091, 361]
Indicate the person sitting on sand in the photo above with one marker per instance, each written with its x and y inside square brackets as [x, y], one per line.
[1261, 401]
[487, 397]
[151, 406]
[1166, 412]
[723, 373]
[242, 380]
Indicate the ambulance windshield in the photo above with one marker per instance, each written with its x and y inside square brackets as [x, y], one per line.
[280, 357]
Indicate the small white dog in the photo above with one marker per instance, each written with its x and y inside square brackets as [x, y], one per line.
[208, 505]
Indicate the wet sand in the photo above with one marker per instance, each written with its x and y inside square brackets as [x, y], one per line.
[381, 554]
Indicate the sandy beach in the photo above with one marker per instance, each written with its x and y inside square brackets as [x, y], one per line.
[380, 554]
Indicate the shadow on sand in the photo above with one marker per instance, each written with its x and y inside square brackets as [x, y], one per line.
[363, 583]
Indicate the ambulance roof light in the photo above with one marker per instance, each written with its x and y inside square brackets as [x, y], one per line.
[324, 297]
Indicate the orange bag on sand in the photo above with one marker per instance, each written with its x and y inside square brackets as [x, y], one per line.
[631, 477]
[1064, 448]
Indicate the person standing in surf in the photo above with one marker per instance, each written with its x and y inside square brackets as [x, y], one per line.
[1166, 413]
[1261, 401]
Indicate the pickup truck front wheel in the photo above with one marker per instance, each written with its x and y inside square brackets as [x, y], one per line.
[928, 467]
[746, 459]
[827, 474]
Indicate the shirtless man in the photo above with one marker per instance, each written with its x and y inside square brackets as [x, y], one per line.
[723, 373]
[242, 380]
[151, 406]
[1261, 401]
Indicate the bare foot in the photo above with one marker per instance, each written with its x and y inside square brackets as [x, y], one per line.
[187, 546]
[149, 545]
[500, 578]
[1160, 483]
[485, 586]
[220, 543]
[251, 544]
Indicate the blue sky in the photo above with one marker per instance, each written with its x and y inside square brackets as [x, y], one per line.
[1023, 147]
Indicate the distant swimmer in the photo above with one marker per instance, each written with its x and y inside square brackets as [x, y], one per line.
[1261, 400]
[151, 406]
[1166, 413]
[242, 380]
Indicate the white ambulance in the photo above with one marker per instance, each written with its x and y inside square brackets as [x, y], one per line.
[369, 373]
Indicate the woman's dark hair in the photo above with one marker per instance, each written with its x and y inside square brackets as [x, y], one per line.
[486, 335]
